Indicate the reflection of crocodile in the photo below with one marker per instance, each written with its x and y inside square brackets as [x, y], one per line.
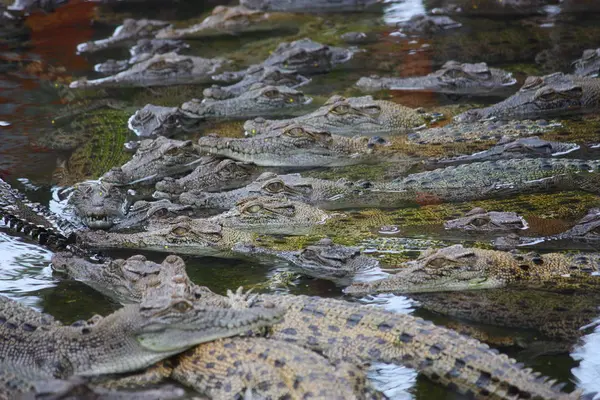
[143, 50]
[541, 97]
[316, 6]
[480, 220]
[588, 64]
[294, 146]
[130, 30]
[349, 116]
[231, 21]
[301, 56]
[358, 333]
[458, 268]
[453, 77]
[160, 70]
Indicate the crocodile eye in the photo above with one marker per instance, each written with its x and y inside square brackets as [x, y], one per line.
[161, 212]
[479, 221]
[548, 95]
[455, 73]
[182, 306]
[172, 151]
[271, 93]
[171, 120]
[437, 262]
[341, 109]
[295, 132]
[275, 187]
[179, 231]
[254, 209]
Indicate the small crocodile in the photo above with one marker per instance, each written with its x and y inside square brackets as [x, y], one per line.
[142, 212]
[143, 50]
[294, 146]
[130, 30]
[153, 121]
[459, 268]
[358, 333]
[427, 24]
[452, 78]
[542, 97]
[588, 64]
[159, 70]
[480, 220]
[234, 20]
[316, 6]
[349, 116]
[302, 56]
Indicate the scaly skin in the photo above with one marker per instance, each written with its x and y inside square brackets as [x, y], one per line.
[543, 97]
[494, 179]
[346, 331]
[428, 24]
[293, 146]
[142, 212]
[480, 220]
[457, 268]
[143, 50]
[230, 21]
[453, 77]
[349, 117]
[313, 6]
[165, 323]
[302, 56]
[152, 121]
[588, 64]
[160, 70]
[130, 30]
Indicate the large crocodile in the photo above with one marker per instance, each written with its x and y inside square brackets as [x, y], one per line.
[130, 30]
[302, 56]
[349, 116]
[459, 268]
[235, 20]
[360, 333]
[294, 146]
[588, 64]
[542, 97]
[313, 6]
[160, 70]
[453, 78]
[143, 50]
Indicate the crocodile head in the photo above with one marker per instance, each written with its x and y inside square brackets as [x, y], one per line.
[448, 269]
[154, 120]
[260, 99]
[146, 48]
[587, 229]
[99, 204]
[295, 146]
[142, 212]
[480, 220]
[272, 215]
[307, 57]
[347, 116]
[130, 29]
[588, 64]
[325, 255]
[540, 97]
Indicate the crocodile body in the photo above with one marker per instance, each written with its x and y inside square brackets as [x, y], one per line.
[458, 268]
[588, 64]
[349, 117]
[160, 70]
[453, 77]
[542, 97]
[480, 220]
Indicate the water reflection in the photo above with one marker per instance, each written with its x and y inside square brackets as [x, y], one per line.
[402, 11]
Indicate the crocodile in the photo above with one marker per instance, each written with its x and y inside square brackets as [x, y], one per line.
[349, 116]
[456, 268]
[364, 334]
[452, 78]
[235, 20]
[153, 121]
[130, 30]
[318, 6]
[427, 24]
[142, 212]
[480, 220]
[588, 64]
[165, 323]
[159, 70]
[295, 146]
[531, 146]
[273, 76]
[542, 97]
[143, 50]
[302, 56]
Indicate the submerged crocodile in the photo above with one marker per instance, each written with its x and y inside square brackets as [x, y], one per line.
[364, 334]
[294, 146]
[459, 268]
[428, 24]
[542, 97]
[235, 20]
[588, 64]
[159, 70]
[302, 56]
[143, 50]
[480, 220]
[453, 78]
[349, 117]
[131, 30]
[317, 6]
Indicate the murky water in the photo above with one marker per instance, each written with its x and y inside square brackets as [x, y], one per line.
[32, 93]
